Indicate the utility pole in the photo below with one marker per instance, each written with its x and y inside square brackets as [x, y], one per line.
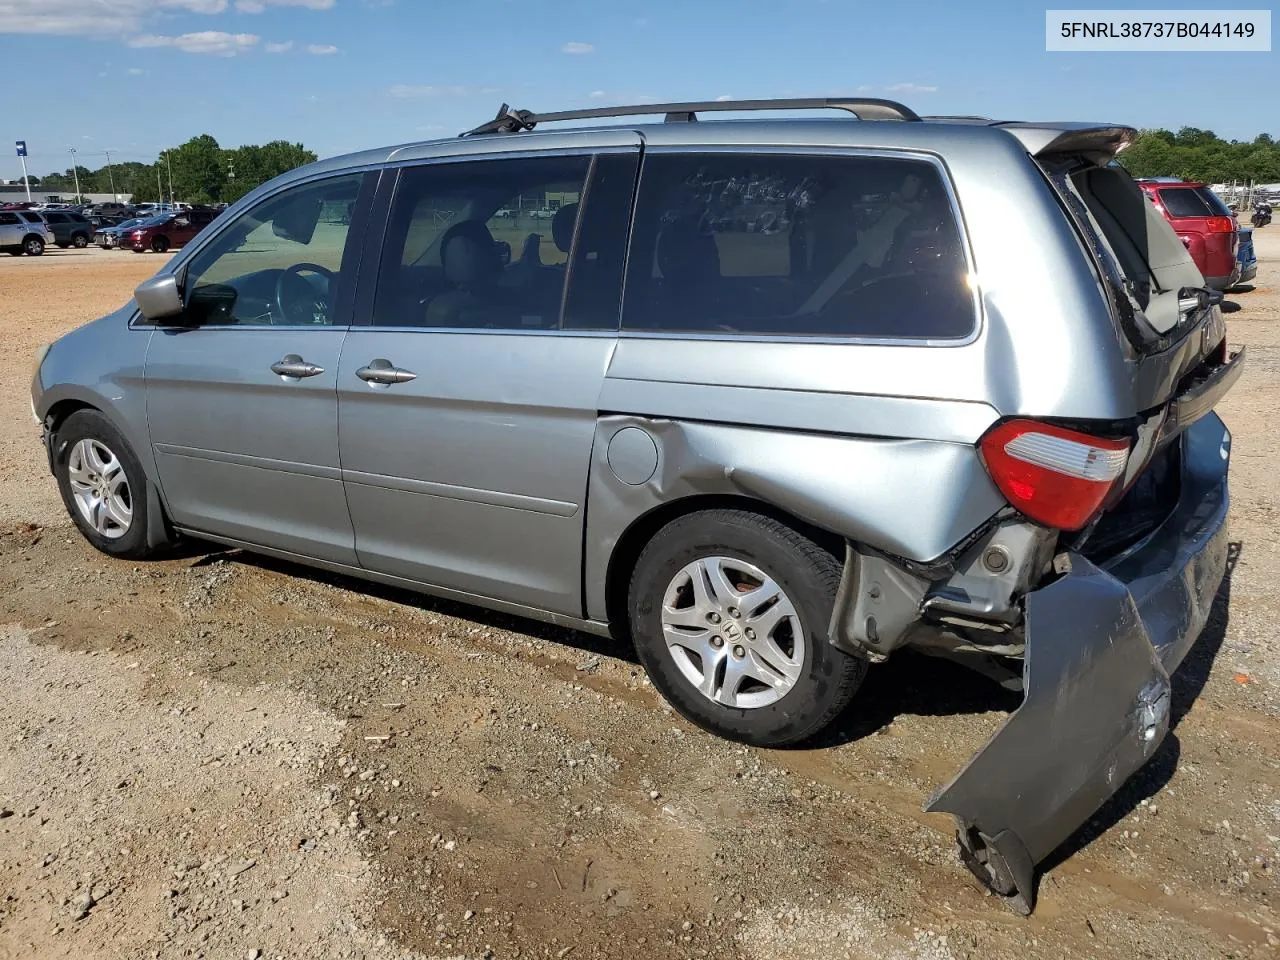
[75, 173]
[112, 174]
[159, 187]
[169, 167]
[22, 155]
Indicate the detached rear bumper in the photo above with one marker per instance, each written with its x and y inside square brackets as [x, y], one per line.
[1101, 643]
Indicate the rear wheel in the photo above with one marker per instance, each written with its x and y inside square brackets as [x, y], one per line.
[729, 612]
[79, 241]
[160, 244]
[33, 246]
[103, 485]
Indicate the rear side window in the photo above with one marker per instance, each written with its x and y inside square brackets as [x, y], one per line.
[8, 219]
[796, 245]
[30, 217]
[55, 218]
[1192, 202]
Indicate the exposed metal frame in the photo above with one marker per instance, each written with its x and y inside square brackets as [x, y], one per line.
[863, 108]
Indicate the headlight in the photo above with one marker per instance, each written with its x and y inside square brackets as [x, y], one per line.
[41, 352]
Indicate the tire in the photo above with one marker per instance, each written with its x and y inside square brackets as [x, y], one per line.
[14, 251]
[79, 476]
[160, 244]
[33, 246]
[79, 241]
[811, 683]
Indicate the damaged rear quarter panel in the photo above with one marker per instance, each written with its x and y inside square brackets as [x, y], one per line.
[911, 497]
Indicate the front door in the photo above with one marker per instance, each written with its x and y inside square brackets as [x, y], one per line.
[468, 406]
[241, 388]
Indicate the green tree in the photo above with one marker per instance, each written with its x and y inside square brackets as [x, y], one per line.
[198, 170]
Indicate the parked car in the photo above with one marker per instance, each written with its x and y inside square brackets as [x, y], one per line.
[22, 231]
[168, 231]
[1245, 255]
[110, 208]
[1203, 222]
[768, 463]
[69, 229]
[152, 209]
[109, 238]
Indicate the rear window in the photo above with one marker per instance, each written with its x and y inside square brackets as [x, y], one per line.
[30, 217]
[1193, 202]
[796, 245]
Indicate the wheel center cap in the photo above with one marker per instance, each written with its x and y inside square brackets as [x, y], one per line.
[731, 630]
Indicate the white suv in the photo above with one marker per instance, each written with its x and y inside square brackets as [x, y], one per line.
[22, 231]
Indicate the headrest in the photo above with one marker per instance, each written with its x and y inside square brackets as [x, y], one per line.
[469, 255]
[562, 226]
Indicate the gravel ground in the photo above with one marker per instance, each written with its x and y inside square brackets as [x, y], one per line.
[223, 756]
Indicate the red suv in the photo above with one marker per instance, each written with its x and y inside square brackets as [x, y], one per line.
[169, 231]
[1204, 224]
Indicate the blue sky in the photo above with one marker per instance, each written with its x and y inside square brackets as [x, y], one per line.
[134, 76]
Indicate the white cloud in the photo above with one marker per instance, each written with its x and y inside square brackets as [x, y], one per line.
[417, 91]
[257, 6]
[136, 72]
[284, 47]
[573, 46]
[910, 88]
[321, 49]
[596, 94]
[214, 42]
[723, 97]
[92, 17]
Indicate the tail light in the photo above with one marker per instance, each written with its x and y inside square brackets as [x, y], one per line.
[1054, 476]
[1220, 225]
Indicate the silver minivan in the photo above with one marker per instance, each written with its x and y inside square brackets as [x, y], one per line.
[770, 399]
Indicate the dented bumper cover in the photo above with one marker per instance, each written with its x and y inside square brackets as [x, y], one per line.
[1101, 644]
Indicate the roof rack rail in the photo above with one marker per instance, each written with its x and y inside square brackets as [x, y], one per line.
[958, 116]
[515, 121]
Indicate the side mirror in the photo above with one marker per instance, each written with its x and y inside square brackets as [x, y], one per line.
[158, 297]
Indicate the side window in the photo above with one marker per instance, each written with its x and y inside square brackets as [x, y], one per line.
[480, 243]
[280, 263]
[8, 219]
[821, 246]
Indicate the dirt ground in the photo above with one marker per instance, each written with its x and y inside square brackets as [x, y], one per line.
[222, 756]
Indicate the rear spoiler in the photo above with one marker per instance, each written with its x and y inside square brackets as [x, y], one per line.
[1097, 142]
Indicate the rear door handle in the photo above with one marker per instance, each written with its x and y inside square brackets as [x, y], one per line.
[381, 371]
[293, 367]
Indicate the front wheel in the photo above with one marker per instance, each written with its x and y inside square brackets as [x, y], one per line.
[160, 244]
[729, 613]
[103, 485]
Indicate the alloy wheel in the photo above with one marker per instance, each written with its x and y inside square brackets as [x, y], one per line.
[733, 632]
[100, 488]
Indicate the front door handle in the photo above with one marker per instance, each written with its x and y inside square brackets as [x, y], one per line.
[293, 367]
[381, 371]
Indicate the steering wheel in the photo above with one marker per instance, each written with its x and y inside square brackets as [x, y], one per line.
[298, 297]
